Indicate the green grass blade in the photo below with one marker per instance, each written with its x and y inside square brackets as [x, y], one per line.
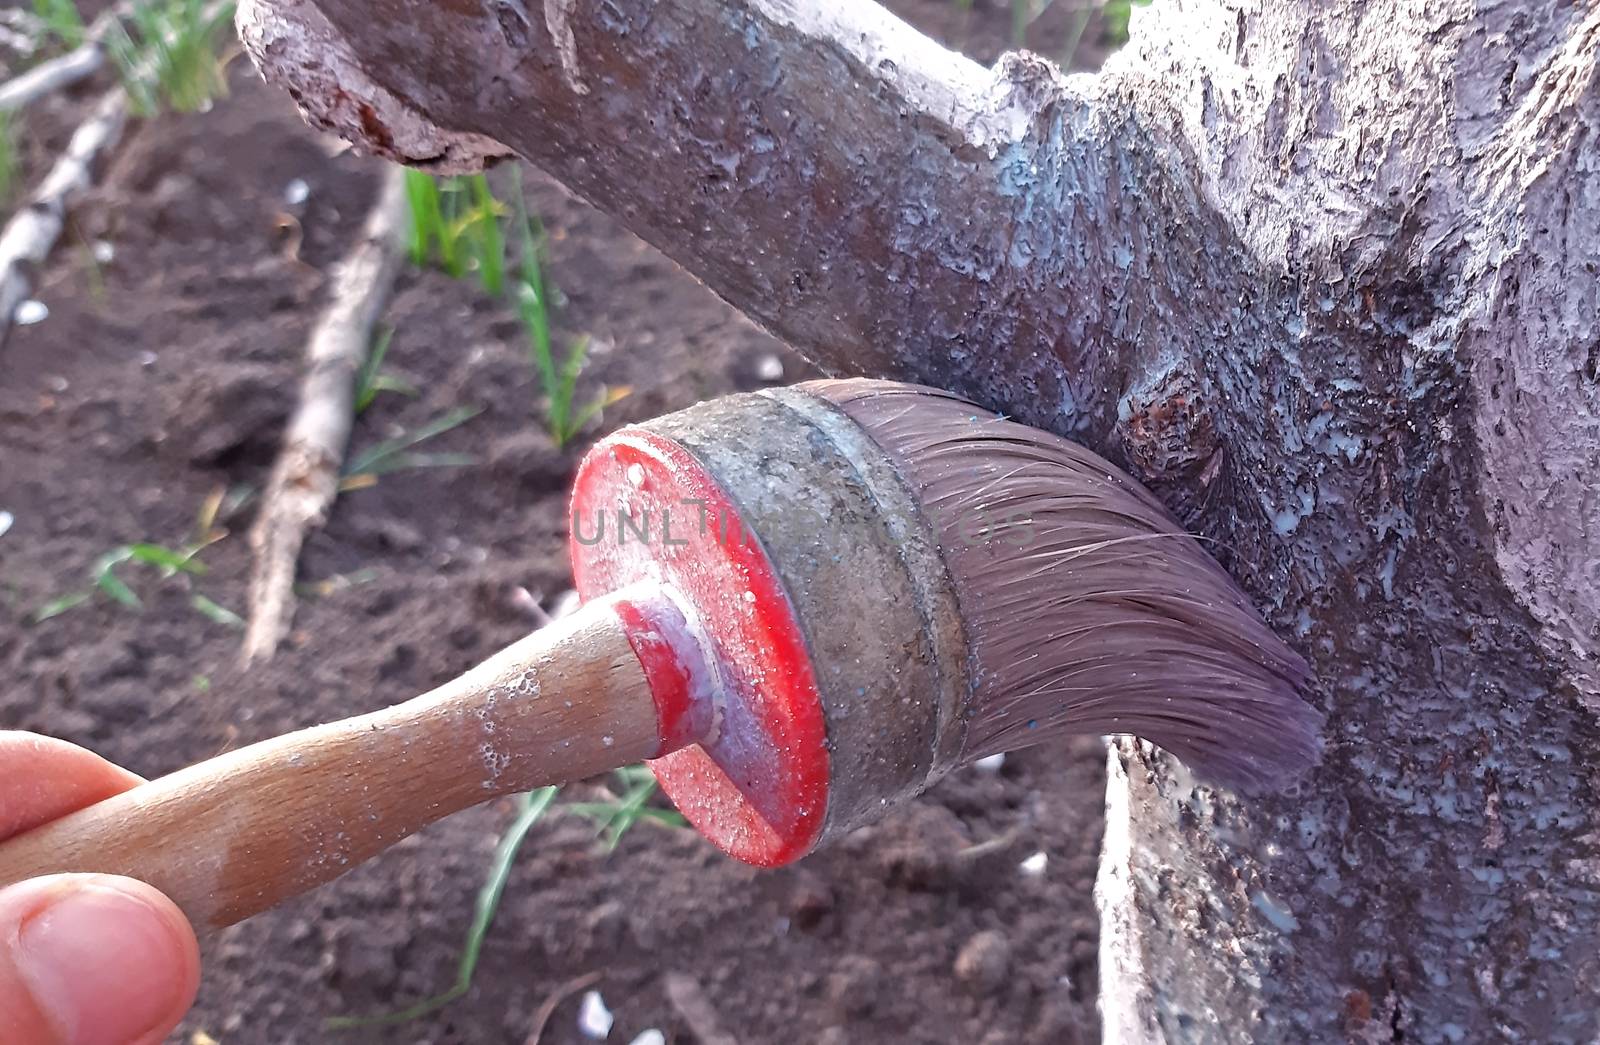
[169, 53]
[367, 377]
[372, 461]
[61, 20]
[216, 613]
[407, 462]
[614, 819]
[530, 807]
[56, 607]
[112, 585]
[390, 383]
[442, 424]
[1116, 15]
[488, 242]
[587, 411]
[453, 227]
[422, 195]
[562, 424]
[532, 302]
[165, 558]
[531, 310]
[1021, 15]
[10, 165]
[125, 55]
[103, 575]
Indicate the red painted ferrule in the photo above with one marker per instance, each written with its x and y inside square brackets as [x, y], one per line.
[674, 657]
[754, 777]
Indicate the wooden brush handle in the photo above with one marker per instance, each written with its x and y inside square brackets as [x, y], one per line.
[235, 835]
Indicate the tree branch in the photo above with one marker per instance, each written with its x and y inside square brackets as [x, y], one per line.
[883, 204]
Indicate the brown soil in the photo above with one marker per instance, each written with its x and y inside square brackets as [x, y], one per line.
[166, 373]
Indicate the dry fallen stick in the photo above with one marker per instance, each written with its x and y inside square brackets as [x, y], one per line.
[557, 996]
[76, 65]
[691, 1003]
[80, 63]
[306, 476]
[34, 229]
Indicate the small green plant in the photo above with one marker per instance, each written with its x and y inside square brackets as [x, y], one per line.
[397, 455]
[423, 201]
[456, 223]
[10, 166]
[614, 817]
[103, 577]
[530, 807]
[1117, 14]
[60, 20]
[1114, 16]
[1022, 15]
[371, 379]
[171, 57]
[558, 378]
[167, 562]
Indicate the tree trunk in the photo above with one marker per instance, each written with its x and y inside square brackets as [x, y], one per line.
[1322, 274]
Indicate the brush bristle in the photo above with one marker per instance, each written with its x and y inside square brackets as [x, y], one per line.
[1087, 608]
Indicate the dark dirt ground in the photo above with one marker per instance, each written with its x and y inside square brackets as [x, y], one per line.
[166, 373]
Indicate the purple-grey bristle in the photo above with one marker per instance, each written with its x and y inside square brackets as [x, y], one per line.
[1087, 608]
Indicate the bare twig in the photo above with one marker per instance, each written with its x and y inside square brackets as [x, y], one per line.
[557, 996]
[34, 229]
[691, 1003]
[80, 63]
[306, 478]
[76, 65]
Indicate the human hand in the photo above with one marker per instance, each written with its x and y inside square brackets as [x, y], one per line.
[84, 959]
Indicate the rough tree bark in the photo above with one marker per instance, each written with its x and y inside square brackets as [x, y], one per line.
[1323, 274]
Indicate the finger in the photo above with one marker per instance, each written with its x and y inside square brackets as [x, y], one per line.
[42, 779]
[93, 960]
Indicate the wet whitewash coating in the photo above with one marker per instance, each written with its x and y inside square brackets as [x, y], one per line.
[1322, 274]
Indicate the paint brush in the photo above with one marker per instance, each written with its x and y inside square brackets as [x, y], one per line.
[804, 606]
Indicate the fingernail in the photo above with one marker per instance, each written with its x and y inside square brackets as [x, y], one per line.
[103, 963]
